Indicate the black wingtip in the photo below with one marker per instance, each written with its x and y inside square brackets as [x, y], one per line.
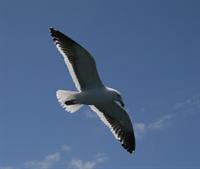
[131, 151]
[129, 144]
[51, 29]
[54, 32]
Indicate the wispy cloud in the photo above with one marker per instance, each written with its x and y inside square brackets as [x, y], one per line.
[180, 109]
[188, 106]
[65, 147]
[140, 129]
[53, 160]
[81, 164]
[90, 114]
[49, 161]
[160, 123]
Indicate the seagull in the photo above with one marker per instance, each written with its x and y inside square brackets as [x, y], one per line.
[105, 101]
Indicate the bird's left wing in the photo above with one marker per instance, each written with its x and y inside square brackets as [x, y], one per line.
[80, 63]
[117, 119]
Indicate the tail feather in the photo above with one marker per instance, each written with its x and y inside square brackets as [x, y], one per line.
[66, 96]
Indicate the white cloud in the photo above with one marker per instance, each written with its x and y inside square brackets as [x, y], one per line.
[81, 164]
[139, 129]
[180, 109]
[90, 114]
[101, 157]
[178, 105]
[161, 123]
[54, 160]
[49, 161]
[189, 106]
[157, 125]
[65, 147]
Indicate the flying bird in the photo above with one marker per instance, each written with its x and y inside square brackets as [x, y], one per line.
[105, 101]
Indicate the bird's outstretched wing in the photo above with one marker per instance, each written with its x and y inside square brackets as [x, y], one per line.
[117, 119]
[80, 63]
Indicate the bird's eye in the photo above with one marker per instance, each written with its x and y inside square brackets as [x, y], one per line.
[118, 96]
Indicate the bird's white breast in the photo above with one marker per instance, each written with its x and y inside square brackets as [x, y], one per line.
[94, 96]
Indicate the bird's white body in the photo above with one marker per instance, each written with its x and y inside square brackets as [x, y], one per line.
[95, 97]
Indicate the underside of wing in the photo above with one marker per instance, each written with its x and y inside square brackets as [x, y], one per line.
[80, 63]
[117, 119]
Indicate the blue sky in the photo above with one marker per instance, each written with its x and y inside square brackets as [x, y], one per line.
[148, 50]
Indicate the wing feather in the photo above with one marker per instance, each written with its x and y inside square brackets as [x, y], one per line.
[80, 63]
[117, 119]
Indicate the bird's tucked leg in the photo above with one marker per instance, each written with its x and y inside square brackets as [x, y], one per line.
[70, 102]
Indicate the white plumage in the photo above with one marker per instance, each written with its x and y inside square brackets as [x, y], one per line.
[106, 102]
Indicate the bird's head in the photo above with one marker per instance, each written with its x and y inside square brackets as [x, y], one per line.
[116, 96]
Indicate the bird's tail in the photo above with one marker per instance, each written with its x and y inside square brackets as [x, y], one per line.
[67, 100]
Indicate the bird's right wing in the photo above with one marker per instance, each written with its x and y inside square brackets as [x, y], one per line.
[117, 119]
[80, 63]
